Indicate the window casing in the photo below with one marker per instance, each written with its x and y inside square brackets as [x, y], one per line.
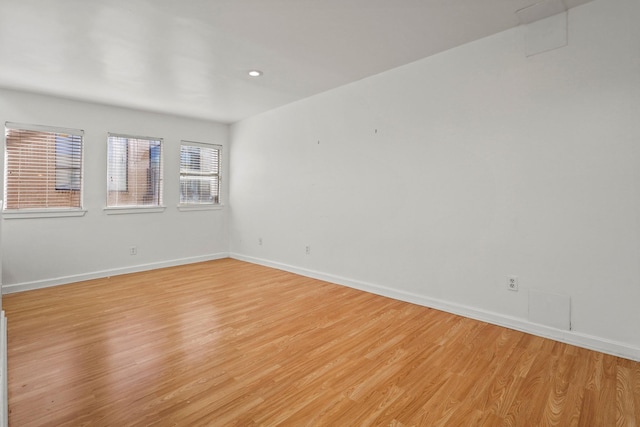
[134, 171]
[43, 168]
[199, 174]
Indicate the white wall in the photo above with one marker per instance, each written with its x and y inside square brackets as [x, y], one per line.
[434, 181]
[48, 251]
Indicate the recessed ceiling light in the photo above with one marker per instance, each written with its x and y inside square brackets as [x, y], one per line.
[255, 73]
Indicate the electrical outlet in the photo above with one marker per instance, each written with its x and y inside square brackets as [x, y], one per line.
[307, 250]
[133, 250]
[260, 241]
[512, 283]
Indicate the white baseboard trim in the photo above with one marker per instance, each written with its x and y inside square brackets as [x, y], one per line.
[570, 337]
[39, 284]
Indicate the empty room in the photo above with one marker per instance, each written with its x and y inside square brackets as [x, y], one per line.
[320, 213]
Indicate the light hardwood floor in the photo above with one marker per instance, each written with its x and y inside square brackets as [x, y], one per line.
[230, 343]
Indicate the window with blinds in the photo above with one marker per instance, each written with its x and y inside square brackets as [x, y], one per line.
[199, 173]
[43, 167]
[134, 171]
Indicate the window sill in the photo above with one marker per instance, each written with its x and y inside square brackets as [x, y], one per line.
[134, 210]
[42, 213]
[203, 207]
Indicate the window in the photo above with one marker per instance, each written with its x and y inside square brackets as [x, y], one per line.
[68, 162]
[199, 173]
[43, 167]
[134, 171]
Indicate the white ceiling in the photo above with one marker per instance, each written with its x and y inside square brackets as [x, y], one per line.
[191, 57]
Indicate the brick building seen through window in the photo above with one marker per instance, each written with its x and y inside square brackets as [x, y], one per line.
[43, 167]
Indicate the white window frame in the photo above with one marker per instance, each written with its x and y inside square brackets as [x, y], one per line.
[46, 212]
[187, 206]
[115, 209]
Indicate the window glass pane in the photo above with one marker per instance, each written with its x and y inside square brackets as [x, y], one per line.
[117, 150]
[134, 171]
[199, 174]
[68, 162]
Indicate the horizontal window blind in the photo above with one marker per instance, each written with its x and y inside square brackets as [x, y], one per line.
[134, 171]
[199, 173]
[43, 167]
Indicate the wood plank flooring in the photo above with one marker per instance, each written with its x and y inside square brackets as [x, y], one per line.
[227, 343]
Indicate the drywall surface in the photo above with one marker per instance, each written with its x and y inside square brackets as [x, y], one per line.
[435, 181]
[47, 251]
